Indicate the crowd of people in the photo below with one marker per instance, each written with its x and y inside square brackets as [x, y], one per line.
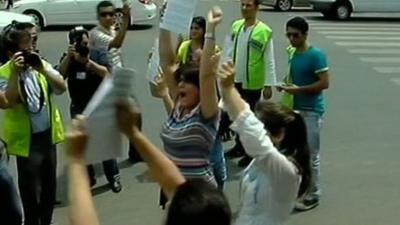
[205, 99]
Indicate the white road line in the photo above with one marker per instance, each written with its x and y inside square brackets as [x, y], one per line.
[358, 28]
[395, 80]
[391, 51]
[369, 44]
[387, 69]
[364, 38]
[380, 59]
[353, 25]
[360, 32]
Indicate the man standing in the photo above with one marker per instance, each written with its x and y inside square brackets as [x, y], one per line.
[32, 123]
[104, 37]
[253, 55]
[308, 77]
[84, 76]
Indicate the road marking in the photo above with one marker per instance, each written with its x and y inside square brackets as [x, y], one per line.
[388, 69]
[369, 44]
[358, 28]
[360, 32]
[353, 25]
[375, 51]
[395, 80]
[380, 59]
[363, 38]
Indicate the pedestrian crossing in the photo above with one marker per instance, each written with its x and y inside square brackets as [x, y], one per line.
[374, 43]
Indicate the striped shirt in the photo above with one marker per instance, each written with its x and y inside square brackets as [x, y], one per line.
[188, 140]
[100, 39]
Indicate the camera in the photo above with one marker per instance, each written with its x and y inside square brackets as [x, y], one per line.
[31, 58]
[75, 36]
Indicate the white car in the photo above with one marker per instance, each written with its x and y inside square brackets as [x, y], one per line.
[7, 17]
[80, 12]
[285, 5]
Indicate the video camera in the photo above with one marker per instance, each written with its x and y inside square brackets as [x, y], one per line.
[75, 36]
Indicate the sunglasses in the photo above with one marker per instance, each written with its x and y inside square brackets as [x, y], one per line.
[105, 14]
[294, 35]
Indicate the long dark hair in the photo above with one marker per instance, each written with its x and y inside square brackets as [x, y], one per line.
[201, 22]
[278, 118]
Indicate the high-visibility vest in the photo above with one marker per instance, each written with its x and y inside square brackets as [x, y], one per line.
[17, 123]
[256, 45]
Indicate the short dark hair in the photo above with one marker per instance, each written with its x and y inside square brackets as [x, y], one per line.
[188, 73]
[298, 23]
[11, 40]
[197, 202]
[257, 2]
[103, 4]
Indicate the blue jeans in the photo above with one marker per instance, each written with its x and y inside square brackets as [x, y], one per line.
[10, 206]
[218, 164]
[313, 122]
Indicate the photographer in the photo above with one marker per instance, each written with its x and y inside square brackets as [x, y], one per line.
[104, 37]
[32, 123]
[84, 76]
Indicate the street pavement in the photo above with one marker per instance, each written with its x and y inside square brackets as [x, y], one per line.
[360, 137]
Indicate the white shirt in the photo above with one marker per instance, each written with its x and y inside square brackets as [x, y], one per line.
[270, 183]
[241, 58]
[100, 39]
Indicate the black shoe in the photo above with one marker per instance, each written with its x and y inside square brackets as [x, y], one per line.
[235, 152]
[116, 186]
[245, 161]
[306, 204]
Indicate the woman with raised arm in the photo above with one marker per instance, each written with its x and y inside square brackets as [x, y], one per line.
[192, 103]
[192, 202]
[275, 137]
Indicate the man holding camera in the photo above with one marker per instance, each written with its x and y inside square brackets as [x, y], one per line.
[32, 123]
[84, 76]
[104, 37]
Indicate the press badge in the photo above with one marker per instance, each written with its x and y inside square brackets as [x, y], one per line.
[81, 75]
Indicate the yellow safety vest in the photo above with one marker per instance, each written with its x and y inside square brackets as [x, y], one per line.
[17, 123]
[257, 43]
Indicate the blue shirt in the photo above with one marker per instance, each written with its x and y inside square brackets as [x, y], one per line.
[304, 70]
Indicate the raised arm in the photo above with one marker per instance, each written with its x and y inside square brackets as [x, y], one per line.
[11, 91]
[162, 169]
[168, 61]
[120, 37]
[81, 210]
[208, 63]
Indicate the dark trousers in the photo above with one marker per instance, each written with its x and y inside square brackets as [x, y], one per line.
[251, 97]
[10, 206]
[37, 180]
[110, 166]
[110, 170]
[10, 4]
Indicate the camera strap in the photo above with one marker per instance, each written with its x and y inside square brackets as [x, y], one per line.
[29, 93]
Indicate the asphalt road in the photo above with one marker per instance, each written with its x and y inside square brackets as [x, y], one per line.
[360, 138]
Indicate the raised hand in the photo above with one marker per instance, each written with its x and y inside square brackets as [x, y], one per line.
[17, 61]
[128, 116]
[226, 75]
[214, 16]
[76, 139]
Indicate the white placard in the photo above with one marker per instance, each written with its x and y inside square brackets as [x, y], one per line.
[154, 63]
[178, 16]
[105, 140]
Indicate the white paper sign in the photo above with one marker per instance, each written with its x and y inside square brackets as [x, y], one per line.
[152, 67]
[178, 16]
[105, 140]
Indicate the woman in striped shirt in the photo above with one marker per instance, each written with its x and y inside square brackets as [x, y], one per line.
[190, 97]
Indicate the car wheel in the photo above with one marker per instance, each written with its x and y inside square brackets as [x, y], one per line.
[342, 10]
[36, 16]
[283, 5]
